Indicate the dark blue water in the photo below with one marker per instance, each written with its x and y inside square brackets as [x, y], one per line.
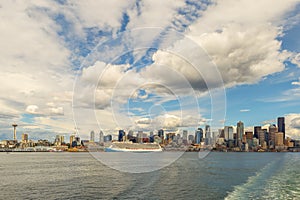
[218, 176]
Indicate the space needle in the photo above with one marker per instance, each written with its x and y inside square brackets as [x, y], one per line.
[15, 130]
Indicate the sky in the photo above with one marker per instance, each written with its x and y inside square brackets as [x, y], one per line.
[78, 66]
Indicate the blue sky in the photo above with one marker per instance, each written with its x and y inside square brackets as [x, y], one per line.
[78, 66]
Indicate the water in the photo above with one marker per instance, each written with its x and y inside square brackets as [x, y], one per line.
[218, 176]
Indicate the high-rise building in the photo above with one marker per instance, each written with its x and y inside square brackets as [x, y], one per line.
[151, 134]
[77, 139]
[92, 136]
[256, 130]
[101, 139]
[185, 137]
[288, 142]
[72, 139]
[198, 136]
[59, 140]
[281, 125]
[107, 138]
[279, 139]
[228, 133]
[121, 135]
[161, 134]
[244, 139]
[130, 136]
[272, 130]
[261, 136]
[184, 134]
[207, 131]
[24, 138]
[266, 135]
[214, 135]
[191, 139]
[170, 137]
[151, 137]
[140, 136]
[130, 133]
[239, 132]
[249, 137]
[221, 133]
[62, 139]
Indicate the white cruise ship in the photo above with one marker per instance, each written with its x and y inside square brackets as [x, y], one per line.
[133, 147]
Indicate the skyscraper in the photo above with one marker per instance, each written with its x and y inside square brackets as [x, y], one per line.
[198, 136]
[261, 136]
[256, 130]
[24, 138]
[140, 136]
[130, 136]
[151, 137]
[239, 132]
[161, 134]
[249, 137]
[184, 134]
[221, 133]
[101, 138]
[272, 134]
[72, 139]
[151, 133]
[281, 125]
[121, 134]
[279, 139]
[92, 136]
[191, 138]
[207, 131]
[228, 132]
[62, 139]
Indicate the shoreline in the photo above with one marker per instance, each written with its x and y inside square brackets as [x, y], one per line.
[162, 151]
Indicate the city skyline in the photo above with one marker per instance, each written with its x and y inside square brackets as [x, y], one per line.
[228, 132]
[259, 139]
[147, 66]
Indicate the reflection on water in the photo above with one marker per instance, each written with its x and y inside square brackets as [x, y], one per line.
[137, 162]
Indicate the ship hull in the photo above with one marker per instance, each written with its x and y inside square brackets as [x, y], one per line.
[133, 147]
[108, 149]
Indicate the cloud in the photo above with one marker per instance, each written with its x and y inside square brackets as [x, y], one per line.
[32, 109]
[101, 14]
[295, 58]
[295, 123]
[228, 39]
[35, 58]
[30, 127]
[154, 13]
[292, 125]
[56, 110]
[245, 110]
[43, 40]
[143, 121]
[240, 57]
[171, 121]
[296, 82]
